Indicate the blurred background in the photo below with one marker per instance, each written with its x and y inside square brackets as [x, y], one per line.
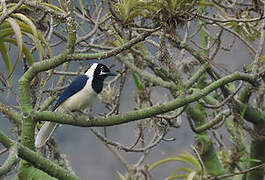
[88, 156]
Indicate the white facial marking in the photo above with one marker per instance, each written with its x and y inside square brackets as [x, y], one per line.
[90, 71]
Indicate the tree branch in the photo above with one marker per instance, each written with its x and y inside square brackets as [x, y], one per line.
[113, 52]
[182, 100]
[37, 160]
[56, 13]
[9, 12]
[148, 76]
[10, 162]
[10, 113]
[219, 117]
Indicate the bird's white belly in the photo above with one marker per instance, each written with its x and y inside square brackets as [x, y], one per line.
[81, 99]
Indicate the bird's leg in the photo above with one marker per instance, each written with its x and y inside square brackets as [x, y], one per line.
[85, 113]
[68, 111]
[78, 113]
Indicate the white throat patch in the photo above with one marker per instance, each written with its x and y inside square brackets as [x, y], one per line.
[91, 70]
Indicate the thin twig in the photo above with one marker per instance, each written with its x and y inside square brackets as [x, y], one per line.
[3, 151]
[124, 148]
[93, 31]
[200, 161]
[224, 101]
[257, 62]
[252, 49]
[49, 36]
[230, 19]
[238, 173]
[10, 162]
[9, 12]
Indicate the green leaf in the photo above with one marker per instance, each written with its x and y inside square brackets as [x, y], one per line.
[137, 82]
[81, 6]
[6, 32]
[191, 175]
[32, 173]
[121, 177]
[6, 57]
[181, 176]
[127, 10]
[53, 7]
[22, 7]
[244, 110]
[4, 25]
[119, 38]
[185, 169]
[34, 32]
[262, 59]
[188, 158]
[250, 160]
[26, 28]
[163, 161]
[189, 172]
[18, 35]
[29, 58]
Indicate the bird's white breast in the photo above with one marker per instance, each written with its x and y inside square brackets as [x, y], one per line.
[80, 100]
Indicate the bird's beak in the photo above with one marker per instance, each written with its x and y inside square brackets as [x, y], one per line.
[108, 73]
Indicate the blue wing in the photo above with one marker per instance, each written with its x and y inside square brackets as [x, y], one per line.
[73, 88]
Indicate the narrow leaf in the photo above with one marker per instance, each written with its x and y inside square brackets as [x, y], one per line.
[18, 35]
[81, 6]
[62, 4]
[29, 58]
[188, 158]
[34, 32]
[53, 7]
[191, 176]
[6, 57]
[6, 32]
[26, 28]
[163, 161]
[137, 83]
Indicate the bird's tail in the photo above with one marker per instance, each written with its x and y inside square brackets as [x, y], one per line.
[45, 133]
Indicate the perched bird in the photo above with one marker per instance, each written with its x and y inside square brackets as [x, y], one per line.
[76, 97]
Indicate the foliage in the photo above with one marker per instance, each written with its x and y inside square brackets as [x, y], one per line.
[33, 174]
[20, 26]
[168, 12]
[185, 172]
[128, 10]
[248, 30]
[168, 52]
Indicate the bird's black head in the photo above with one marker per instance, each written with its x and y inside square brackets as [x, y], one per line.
[102, 71]
[99, 72]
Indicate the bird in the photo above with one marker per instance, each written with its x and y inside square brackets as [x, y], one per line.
[76, 97]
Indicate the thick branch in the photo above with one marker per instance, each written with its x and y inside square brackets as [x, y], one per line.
[142, 113]
[10, 113]
[197, 75]
[219, 117]
[37, 160]
[10, 162]
[252, 115]
[66, 57]
[148, 76]
[28, 125]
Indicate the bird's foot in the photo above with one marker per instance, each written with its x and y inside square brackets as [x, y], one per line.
[79, 113]
[70, 112]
